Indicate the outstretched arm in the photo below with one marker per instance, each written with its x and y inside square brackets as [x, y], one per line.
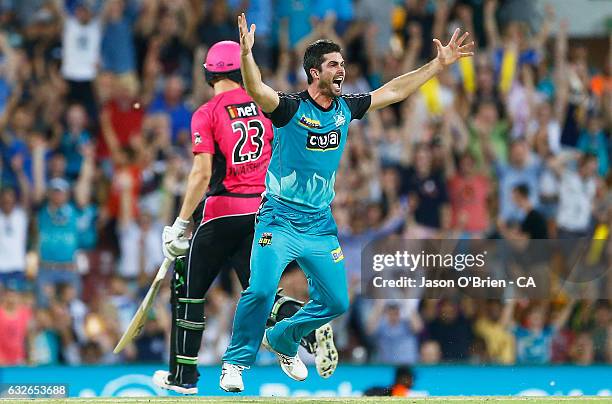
[263, 95]
[401, 87]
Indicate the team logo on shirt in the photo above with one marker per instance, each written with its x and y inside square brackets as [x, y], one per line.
[245, 110]
[337, 255]
[339, 119]
[309, 122]
[265, 239]
[323, 141]
[198, 138]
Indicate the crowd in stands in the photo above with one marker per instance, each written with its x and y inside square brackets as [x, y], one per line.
[95, 107]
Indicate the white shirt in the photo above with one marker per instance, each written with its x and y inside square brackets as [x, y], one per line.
[13, 236]
[81, 49]
[575, 201]
[131, 250]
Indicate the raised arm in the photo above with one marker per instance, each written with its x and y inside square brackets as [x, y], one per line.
[401, 87]
[263, 95]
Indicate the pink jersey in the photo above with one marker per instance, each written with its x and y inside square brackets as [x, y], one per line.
[234, 130]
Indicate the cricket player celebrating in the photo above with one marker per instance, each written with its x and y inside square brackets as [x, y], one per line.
[295, 221]
[231, 142]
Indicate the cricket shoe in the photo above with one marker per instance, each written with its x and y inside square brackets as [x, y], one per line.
[231, 378]
[326, 354]
[291, 365]
[161, 378]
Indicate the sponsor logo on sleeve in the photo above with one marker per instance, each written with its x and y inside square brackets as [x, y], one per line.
[323, 141]
[245, 110]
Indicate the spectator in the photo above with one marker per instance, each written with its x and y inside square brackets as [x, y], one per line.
[75, 137]
[395, 339]
[492, 326]
[593, 140]
[452, 331]
[118, 53]
[58, 242]
[468, 193]
[15, 319]
[576, 197]
[121, 117]
[523, 168]
[534, 338]
[81, 53]
[430, 354]
[428, 196]
[13, 232]
[171, 102]
[45, 346]
[533, 225]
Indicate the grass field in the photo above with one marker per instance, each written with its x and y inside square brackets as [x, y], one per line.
[348, 400]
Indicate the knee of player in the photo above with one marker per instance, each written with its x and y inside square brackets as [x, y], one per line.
[261, 294]
[338, 306]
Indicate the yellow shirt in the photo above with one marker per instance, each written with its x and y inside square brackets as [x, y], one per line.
[499, 341]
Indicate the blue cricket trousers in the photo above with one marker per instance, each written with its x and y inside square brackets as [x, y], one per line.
[281, 236]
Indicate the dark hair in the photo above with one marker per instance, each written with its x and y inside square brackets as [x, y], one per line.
[522, 190]
[212, 77]
[314, 55]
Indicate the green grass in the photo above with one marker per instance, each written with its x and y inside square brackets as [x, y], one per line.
[348, 400]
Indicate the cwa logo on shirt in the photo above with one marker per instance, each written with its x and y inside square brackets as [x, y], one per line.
[245, 110]
[323, 141]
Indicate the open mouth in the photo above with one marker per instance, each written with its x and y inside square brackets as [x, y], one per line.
[337, 83]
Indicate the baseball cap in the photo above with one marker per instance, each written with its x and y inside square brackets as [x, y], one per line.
[59, 184]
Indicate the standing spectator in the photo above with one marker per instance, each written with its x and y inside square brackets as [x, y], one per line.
[452, 330]
[121, 117]
[376, 14]
[492, 326]
[576, 197]
[428, 196]
[14, 322]
[13, 238]
[118, 52]
[545, 125]
[533, 225]
[523, 167]
[171, 102]
[74, 138]
[395, 338]
[44, 344]
[138, 240]
[218, 24]
[468, 193]
[81, 53]
[295, 15]
[58, 242]
[593, 140]
[534, 338]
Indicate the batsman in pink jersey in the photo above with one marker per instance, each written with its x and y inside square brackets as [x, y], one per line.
[232, 145]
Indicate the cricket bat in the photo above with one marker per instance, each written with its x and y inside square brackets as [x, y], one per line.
[139, 319]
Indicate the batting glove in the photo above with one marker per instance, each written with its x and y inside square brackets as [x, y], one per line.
[175, 244]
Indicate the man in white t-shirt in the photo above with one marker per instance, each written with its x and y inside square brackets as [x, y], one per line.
[81, 41]
[13, 237]
[576, 196]
[139, 245]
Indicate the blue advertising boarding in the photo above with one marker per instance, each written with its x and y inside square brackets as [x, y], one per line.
[349, 380]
